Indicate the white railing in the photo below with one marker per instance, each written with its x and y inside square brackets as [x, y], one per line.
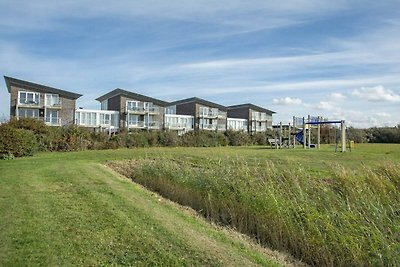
[27, 102]
[53, 103]
[141, 108]
[208, 126]
[52, 121]
[177, 126]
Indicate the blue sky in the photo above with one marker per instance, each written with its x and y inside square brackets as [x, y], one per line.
[338, 59]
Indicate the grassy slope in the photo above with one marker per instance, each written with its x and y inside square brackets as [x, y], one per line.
[67, 209]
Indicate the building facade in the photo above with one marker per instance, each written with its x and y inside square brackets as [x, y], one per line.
[54, 106]
[206, 115]
[258, 118]
[135, 111]
[124, 109]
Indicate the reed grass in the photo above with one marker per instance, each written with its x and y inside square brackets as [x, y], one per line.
[340, 217]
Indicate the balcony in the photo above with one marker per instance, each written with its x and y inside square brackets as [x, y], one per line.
[52, 121]
[178, 126]
[152, 125]
[144, 125]
[53, 104]
[208, 126]
[141, 109]
[28, 103]
[259, 117]
[137, 124]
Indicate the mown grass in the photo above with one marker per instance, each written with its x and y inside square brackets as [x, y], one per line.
[325, 208]
[66, 209]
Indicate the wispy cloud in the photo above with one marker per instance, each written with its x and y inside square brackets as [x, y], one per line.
[287, 101]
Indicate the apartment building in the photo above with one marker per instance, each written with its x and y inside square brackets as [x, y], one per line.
[54, 106]
[98, 120]
[136, 111]
[206, 115]
[258, 118]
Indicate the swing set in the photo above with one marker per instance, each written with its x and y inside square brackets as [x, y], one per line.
[300, 132]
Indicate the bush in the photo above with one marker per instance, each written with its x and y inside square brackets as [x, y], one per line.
[137, 139]
[18, 142]
[168, 138]
[237, 138]
[260, 139]
[203, 139]
[73, 138]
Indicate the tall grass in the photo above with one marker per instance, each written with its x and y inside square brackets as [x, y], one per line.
[348, 218]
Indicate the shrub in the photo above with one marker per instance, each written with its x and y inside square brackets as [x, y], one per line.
[168, 138]
[137, 139]
[237, 138]
[73, 138]
[18, 142]
[259, 139]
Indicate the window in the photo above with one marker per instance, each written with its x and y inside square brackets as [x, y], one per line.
[133, 119]
[28, 97]
[104, 104]
[52, 100]
[132, 105]
[105, 118]
[52, 117]
[28, 113]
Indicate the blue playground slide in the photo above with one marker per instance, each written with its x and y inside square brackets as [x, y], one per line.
[299, 137]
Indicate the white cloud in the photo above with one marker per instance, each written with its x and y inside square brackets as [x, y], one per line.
[287, 101]
[327, 106]
[337, 96]
[383, 114]
[376, 94]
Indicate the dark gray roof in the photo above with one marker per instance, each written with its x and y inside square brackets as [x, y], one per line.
[132, 95]
[198, 101]
[38, 87]
[252, 106]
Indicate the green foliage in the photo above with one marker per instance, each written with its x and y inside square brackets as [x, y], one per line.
[15, 141]
[342, 218]
[259, 139]
[236, 138]
[36, 126]
[7, 156]
[203, 138]
[136, 139]
[168, 138]
[384, 135]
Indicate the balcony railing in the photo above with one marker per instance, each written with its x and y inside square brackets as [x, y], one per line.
[143, 124]
[178, 126]
[30, 103]
[208, 126]
[142, 109]
[209, 114]
[53, 121]
[53, 104]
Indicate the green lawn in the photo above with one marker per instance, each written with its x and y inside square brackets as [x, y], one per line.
[69, 209]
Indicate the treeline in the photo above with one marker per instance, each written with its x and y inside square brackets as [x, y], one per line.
[24, 137]
[329, 135]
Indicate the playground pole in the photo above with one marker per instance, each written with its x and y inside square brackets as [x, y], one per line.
[290, 131]
[280, 135]
[294, 131]
[343, 137]
[319, 133]
[304, 133]
[309, 132]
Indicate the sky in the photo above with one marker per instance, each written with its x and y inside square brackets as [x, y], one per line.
[337, 59]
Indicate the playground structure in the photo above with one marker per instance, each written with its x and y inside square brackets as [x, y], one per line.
[300, 132]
